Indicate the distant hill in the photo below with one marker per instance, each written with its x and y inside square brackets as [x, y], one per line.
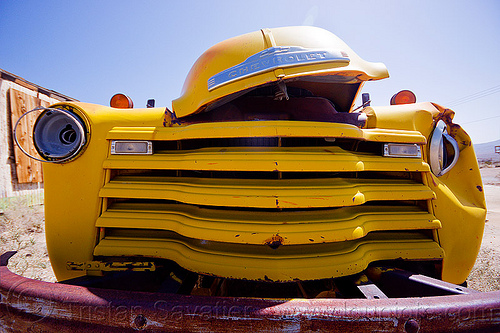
[486, 151]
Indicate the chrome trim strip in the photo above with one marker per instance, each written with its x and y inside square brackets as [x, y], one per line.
[273, 58]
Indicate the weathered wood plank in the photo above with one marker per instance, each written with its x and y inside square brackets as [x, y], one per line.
[45, 104]
[27, 169]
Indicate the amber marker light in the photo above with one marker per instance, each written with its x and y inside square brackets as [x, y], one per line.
[403, 97]
[121, 101]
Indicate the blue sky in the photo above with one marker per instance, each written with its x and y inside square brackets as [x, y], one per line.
[445, 51]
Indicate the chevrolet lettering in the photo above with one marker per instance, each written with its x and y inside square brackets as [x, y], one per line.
[273, 58]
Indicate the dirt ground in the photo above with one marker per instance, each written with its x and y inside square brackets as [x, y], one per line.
[22, 230]
[485, 275]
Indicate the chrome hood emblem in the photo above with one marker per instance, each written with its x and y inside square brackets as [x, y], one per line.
[274, 58]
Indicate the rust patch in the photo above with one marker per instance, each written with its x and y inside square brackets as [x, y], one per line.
[444, 114]
[170, 118]
[454, 130]
[36, 306]
[274, 242]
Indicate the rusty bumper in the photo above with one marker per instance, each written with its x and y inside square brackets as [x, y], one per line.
[34, 306]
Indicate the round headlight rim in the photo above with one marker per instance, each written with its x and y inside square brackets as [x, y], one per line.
[436, 149]
[80, 123]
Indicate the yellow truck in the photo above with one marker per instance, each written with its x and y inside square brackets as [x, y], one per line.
[266, 181]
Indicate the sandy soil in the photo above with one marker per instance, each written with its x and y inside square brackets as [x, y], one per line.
[485, 275]
[22, 230]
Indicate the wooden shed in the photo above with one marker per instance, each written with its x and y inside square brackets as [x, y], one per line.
[20, 176]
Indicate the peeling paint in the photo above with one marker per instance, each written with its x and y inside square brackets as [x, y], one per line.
[274, 242]
[455, 130]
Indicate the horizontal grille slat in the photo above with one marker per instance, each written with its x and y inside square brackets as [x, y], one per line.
[298, 159]
[269, 193]
[285, 263]
[294, 227]
[264, 129]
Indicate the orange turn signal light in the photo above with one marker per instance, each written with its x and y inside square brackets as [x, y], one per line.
[121, 101]
[403, 97]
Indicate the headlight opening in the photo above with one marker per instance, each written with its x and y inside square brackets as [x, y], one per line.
[59, 135]
[443, 150]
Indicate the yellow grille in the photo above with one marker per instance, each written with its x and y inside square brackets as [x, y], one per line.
[285, 263]
[258, 227]
[269, 193]
[268, 159]
[270, 211]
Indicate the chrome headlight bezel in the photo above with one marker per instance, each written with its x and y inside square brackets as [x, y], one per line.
[439, 153]
[59, 134]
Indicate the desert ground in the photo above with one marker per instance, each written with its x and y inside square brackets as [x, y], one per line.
[22, 230]
[485, 275]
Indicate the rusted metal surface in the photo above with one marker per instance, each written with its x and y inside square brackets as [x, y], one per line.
[35, 306]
